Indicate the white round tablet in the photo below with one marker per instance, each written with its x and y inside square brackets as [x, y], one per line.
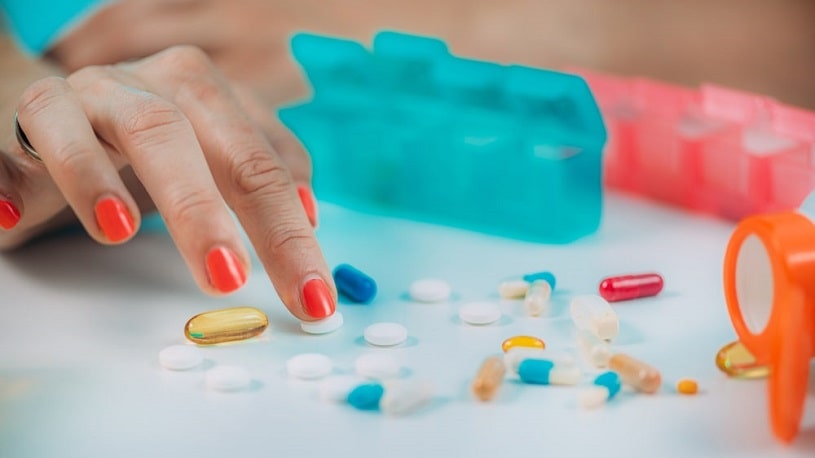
[377, 366]
[479, 313]
[228, 378]
[309, 366]
[430, 290]
[385, 334]
[337, 387]
[180, 357]
[324, 326]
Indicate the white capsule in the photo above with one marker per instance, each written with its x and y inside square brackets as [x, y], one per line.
[513, 289]
[335, 389]
[228, 378]
[377, 366]
[516, 355]
[385, 334]
[594, 314]
[324, 326]
[592, 397]
[536, 302]
[430, 290]
[180, 357]
[565, 374]
[309, 366]
[405, 396]
[597, 352]
[479, 313]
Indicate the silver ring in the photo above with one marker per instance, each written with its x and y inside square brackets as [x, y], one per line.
[23, 141]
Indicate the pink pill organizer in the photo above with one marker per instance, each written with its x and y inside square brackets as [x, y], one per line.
[712, 149]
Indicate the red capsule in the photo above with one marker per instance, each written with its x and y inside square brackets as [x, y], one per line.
[625, 287]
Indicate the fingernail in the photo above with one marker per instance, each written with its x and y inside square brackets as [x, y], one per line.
[317, 300]
[225, 271]
[309, 205]
[9, 215]
[114, 219]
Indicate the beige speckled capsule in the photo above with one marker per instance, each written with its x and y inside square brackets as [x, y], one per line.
[489, 378]
[635, 373]
[226, 325]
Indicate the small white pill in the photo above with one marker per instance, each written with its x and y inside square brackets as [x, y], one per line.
[513, 289]
[335, 389]
[430, 290]
[180, 357]
[479, 313]
[377, 366]
[385, 334]
[515, 356]
[592, 397]
[405, 396]
[565, 375]
[309, 366]
[597, 352]
[228, 378]
[594, 314]
[324, 326]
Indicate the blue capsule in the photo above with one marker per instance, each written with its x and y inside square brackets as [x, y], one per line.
[366, 396]
[353, 284]
[548, 277]
[611, 381]
[535, 371]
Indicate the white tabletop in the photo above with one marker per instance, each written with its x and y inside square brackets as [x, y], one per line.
[81, 326]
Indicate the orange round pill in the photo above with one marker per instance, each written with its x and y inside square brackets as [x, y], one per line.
[522, 341]
[687, 386]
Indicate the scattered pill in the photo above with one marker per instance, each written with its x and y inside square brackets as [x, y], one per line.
[515, 355]
[405, 396]
[430, 290]
[565, 374]
[596, 351]
[513, 289]
[611, 381]
[592, 397]
[735, 360]
[180, 357]
[228, 378]
[536, 301]
[535, 371]
[687, 386]
[522, 341]
[385, 334]
[226, 325]
[626, 287]
[635, 373]
[354, 284]
[479, 313]
[377, 366]
[323, 326]
[366, 396]
[335, 389]
[488, 379]
[548, 277]
[594, 314]
[309, 366]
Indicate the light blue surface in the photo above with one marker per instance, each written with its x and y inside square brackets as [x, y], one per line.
[408, 129]
[37, 23]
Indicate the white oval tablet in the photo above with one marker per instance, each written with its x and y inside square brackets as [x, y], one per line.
[324, 326]
[180, 357]
[377, 366]
[337, 387]
[430, 290]
[309, 366]
[228, 378]
[479, 313]
[385, 334]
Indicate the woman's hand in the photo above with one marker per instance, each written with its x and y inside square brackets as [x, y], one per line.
[196, 145]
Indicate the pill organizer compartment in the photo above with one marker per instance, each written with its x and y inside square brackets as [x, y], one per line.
[408, 129]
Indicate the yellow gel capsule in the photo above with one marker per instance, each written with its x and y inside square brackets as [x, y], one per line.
[687, 386]
[522, 341]
[226, 325]
[735, 360]
[489, 378]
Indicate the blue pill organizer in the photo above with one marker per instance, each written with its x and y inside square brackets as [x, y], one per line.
[408, 129]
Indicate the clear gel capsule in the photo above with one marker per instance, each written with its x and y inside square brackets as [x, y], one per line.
[522, 341]
[548, 277]
[536, 302]
[226, 325]
[354, 284]
[513, 289]
[735, 360]
[593, 314]
[635, 373]
[626, 287]
[366, 396]
[489, 378]
[596, 351]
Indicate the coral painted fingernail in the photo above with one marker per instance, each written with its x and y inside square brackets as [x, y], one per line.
[317, 300]
[114, 219]
[9, 215]
[309, 205]
[224, 270]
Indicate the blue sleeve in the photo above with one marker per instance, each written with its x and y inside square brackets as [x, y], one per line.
[37, 24]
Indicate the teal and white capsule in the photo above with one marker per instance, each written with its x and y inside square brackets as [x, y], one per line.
[366, 396]
[546, 372]
[603, 389]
